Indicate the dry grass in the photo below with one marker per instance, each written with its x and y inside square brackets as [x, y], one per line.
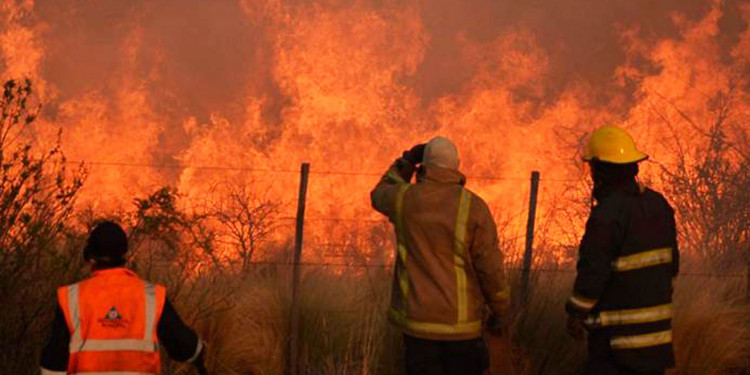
[249, 338]
[712, 331]
[712, 326]
[541, 343]
[344, 330]
[343, 327]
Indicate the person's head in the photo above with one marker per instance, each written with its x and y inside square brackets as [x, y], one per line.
[106, 246]
[610, 174]
[442, 153]
[612, 156]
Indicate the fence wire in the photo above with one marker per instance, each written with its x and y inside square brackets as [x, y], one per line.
[368, 174]
[288, 171]
[507, 269]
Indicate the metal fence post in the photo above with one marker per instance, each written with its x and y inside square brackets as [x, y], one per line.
[293, 350]
[528, 253]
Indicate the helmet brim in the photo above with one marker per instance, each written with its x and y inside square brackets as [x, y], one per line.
[630, 160]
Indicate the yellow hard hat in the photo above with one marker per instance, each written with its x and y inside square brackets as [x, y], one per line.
[613, 145]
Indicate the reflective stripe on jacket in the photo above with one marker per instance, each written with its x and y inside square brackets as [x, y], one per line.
[627, 260]
[448, 263]
[112, 317]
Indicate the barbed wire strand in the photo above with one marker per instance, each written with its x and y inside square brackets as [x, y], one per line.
[337, 219]
[514, 269]
[288, 171]
[334, 219]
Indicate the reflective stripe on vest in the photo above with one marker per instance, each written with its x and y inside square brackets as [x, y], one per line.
[50, 372]
[198, 349]
[147, 344]
[75, 318]
[150, 312]
[403, 276]
[582, 303]
[393, 175]
[462, 219]
[632, 316]
[643, 260]
[400, 319]
[116, 345]
[641, 341]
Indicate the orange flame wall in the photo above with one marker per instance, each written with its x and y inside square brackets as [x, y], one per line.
[348, 84]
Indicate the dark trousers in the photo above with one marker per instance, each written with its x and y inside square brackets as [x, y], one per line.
[601, 361]
[604, 366]
[431, 357]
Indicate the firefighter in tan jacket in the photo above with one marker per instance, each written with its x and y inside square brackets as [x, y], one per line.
[448, 264]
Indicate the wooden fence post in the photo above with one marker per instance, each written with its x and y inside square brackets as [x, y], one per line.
[293, 350]
[528, 253]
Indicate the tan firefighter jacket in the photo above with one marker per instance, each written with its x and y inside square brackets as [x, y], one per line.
[448, 264]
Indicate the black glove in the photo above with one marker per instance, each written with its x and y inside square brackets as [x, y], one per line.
[415, 155]
[576, 328]
[496, 325]
[199, 364]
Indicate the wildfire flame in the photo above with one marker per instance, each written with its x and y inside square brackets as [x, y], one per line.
[153, 93]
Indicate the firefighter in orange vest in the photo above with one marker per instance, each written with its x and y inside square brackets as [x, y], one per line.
[627, 260]
[114, 322]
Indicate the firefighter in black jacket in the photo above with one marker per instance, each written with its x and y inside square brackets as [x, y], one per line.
[628, 260]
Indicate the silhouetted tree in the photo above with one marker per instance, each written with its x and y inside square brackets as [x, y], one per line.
[37, 251]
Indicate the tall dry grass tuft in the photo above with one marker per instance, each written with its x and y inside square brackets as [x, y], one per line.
[250, 338]
[345, 331]
[540, 340]
[243, 322]
[344, 328]
[712, 326]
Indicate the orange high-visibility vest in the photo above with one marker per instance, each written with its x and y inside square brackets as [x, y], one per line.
[112, 318]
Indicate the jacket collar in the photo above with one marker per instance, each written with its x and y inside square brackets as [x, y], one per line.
[440, 175]
[117, 271]
[630, 187]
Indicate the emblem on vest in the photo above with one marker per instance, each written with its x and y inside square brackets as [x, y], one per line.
[113, 319]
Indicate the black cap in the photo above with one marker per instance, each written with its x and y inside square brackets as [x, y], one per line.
[107, 244]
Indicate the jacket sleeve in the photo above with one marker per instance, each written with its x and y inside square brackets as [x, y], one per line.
[675, 245]
[487, 260]
[595, 256]
[383, 197]
[181, 342]
[54, 358]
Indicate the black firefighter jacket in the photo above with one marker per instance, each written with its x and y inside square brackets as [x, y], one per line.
[627, 261]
